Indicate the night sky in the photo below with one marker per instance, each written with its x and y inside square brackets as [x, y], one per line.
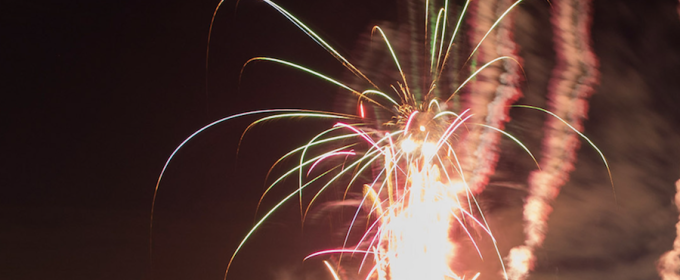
[97, 95]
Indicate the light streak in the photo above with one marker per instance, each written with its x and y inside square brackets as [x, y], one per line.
[330, 268]
[394, 56]
[347, 153]
[318, 39]
[408, 123]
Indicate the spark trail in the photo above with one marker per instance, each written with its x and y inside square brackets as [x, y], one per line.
[573, 81]
[494, 89]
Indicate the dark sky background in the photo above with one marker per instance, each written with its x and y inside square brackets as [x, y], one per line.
[97, 94]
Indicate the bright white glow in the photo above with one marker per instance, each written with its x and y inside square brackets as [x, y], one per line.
[422, 128]
[408, 145]
[417, 236]
[429, 149]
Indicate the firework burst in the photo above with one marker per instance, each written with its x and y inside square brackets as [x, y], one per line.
[426, 162]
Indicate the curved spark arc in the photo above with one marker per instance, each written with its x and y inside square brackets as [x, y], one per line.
[434, 39]
[316, 74]
[194, 134]
[330, 268]
[319, 41]
[293, 170]
[264, 218]
[453, 36]
[394, 56]
[366, 195]
[500, 18]
[304, 149]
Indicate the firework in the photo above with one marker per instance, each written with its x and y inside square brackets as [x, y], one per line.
[426, 163]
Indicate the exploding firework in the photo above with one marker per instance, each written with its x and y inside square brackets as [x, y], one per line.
[425, 161]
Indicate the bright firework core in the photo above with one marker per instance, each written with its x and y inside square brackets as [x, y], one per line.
[416, 232]
[424, 203]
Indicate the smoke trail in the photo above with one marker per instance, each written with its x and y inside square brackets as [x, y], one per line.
[573, 80]
[493, 91]
[669, 263]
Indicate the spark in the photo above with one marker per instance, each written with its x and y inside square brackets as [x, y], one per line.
[330, 268]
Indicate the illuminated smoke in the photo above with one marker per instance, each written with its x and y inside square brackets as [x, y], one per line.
[669, 263]
[572, 82]
[493, 91]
